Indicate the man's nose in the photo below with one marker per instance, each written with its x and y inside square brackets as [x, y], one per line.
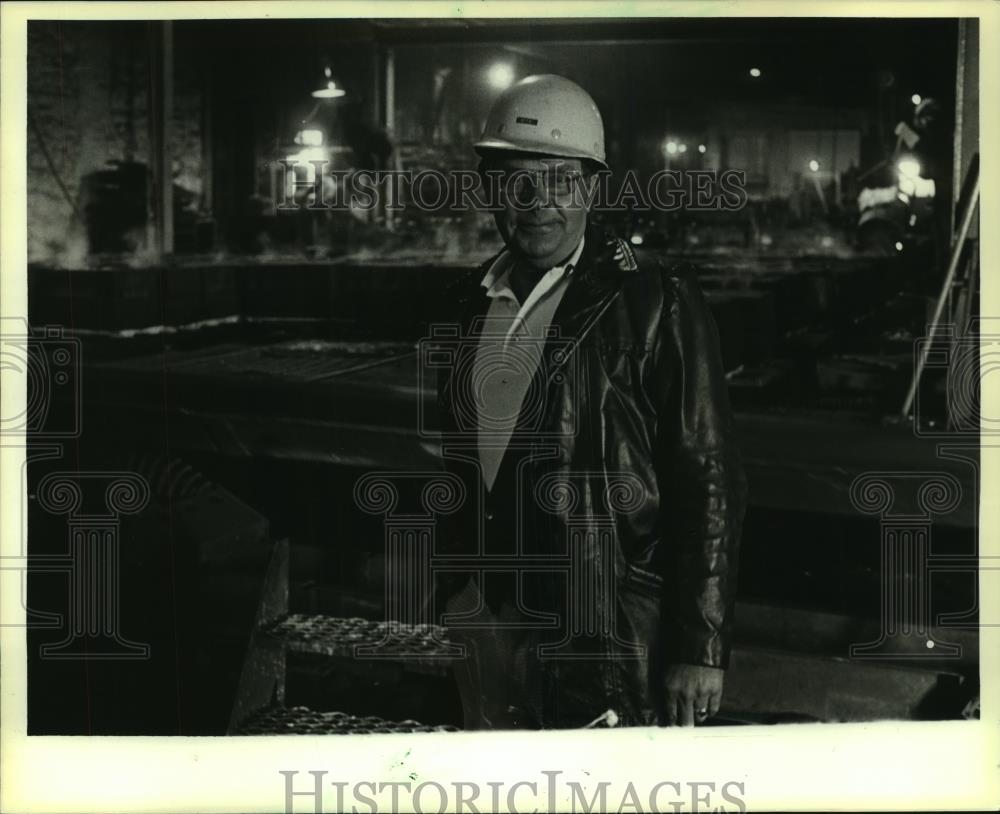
[529, 198]
[537, 195]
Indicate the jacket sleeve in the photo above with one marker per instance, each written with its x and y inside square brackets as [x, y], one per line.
[702, 483]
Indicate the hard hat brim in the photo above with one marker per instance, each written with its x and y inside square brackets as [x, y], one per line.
[502, 145]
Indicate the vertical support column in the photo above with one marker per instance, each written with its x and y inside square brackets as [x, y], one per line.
[377, 108]
[966, 110]
[966, 152]
[160, 228]
[389, 72]
[377, 116]
[207, 138]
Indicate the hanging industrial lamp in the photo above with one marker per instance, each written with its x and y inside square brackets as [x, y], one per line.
[329, 89]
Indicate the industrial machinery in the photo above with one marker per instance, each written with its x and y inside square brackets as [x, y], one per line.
[899, 216]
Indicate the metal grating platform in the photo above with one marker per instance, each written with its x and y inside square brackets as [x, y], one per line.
[421, 647]
[305, 721]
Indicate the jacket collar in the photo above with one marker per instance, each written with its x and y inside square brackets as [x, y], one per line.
[497, 279]
[600, 275]
[600, 272]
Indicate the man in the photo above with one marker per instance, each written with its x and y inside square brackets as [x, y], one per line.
[586, 412]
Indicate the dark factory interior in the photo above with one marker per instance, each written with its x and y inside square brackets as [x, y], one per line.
[243, 365]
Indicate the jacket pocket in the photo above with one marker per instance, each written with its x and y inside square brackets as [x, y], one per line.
[643, 581]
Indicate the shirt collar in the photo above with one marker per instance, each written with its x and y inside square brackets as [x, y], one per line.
[497, 279]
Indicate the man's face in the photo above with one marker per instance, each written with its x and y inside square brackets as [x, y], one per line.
[542, 222]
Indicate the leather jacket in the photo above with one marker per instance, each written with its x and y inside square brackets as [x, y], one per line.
[623, 464]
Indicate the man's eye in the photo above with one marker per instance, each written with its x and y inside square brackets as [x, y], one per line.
[560, 183]
[523, 184]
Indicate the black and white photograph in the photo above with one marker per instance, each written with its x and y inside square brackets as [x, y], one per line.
[474, 376]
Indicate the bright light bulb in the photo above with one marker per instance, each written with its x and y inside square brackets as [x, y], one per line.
[309, 138]
[671, 147]
[755, 72]
[682, 148]
[814, 165]
[701, 148]
[916, 98]
[501, 76]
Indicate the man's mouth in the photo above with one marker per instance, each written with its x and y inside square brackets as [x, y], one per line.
[536, 227]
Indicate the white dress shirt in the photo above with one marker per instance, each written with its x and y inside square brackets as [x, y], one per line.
[509, 352]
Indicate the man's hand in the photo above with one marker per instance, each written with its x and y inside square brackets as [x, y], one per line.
[691, 693]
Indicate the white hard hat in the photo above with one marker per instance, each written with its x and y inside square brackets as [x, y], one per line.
[548, 115]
